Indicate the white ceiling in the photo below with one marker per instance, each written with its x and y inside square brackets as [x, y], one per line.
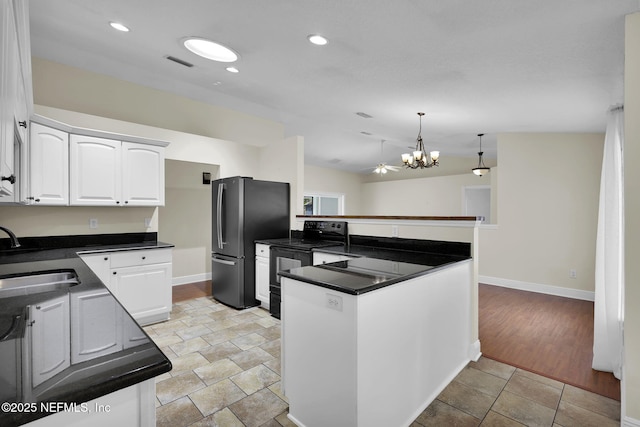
[484, 66]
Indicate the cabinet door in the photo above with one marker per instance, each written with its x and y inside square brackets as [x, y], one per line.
[96, 329]
[100, 264]
[8, 71]
[145, 291]
[133, 334]
[142, 174]
[50, 341]
[49, 165]
[95, 171]
[262, 281]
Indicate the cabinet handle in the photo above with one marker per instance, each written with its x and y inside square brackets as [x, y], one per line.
[38, 307]
[126, 201]
[144, 257]
[106, 258]
[118, 202]
[115, 272]
[22, 123]
[11, 179]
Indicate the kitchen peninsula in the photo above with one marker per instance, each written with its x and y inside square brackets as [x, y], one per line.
[371, 342]
[72, 355]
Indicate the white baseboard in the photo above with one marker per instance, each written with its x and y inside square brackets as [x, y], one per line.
[630, 422]
[474, 351]
[183, 280]
[538, 287]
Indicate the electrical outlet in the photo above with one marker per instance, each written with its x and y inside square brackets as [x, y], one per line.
[93, 223]
[573, 274]
[394, 231]
[147, 222]
[334, 302]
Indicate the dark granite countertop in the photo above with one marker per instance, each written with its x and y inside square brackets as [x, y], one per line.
[360, 275]
[380, 262]
[86, 380]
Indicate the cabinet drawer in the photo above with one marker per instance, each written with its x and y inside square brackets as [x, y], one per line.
[262, 250]
[140, 257]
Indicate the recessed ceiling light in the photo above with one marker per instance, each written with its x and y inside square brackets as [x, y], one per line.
[118, 26]
[210, 50]
[317, 39]
[232, 70]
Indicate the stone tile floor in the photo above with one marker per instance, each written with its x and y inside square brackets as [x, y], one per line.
[226, 372]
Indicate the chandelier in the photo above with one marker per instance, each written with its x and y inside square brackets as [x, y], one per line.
[419, 158]
[481, 169]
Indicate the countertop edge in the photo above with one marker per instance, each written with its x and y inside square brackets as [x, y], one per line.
[373, 287]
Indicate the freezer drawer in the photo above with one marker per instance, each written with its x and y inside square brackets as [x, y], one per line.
[227, 278]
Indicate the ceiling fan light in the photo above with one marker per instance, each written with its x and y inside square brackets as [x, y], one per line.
[435, 155]
[210, 50]
[405, 157]
[417, 155]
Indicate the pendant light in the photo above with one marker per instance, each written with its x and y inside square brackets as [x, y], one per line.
[419, 158]
[481, 169]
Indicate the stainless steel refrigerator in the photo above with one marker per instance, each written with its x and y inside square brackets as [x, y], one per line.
[244, 210]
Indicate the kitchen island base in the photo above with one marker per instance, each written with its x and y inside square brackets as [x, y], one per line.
[134, 406]
[378, 358]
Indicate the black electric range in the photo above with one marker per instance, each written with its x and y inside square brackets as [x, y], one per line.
[288, 253]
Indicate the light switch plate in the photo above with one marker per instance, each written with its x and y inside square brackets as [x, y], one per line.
[93, 222]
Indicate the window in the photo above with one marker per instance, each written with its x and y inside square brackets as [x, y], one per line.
[477, 202]
[324, 204]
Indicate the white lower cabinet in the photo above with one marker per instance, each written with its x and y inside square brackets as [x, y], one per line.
[262, 274]
[97, 326]
[140, 279]
[142, 290]
[100, 264]
[133, 406]
[49, 338]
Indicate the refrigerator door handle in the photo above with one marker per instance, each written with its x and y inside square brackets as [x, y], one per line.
[222, 261]
[219, 215]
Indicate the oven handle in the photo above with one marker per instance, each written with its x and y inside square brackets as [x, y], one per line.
[219, 214]
[222, 261]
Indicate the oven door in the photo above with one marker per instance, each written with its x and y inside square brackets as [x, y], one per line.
[285, 259]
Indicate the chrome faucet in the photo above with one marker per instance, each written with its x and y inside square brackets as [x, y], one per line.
[14, 239]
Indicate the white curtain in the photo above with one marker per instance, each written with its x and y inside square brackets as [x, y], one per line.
[608, 305]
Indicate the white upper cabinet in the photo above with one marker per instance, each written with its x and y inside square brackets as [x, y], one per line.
[107, 172]
[142, 174]
[8, 71]
[49, 167]
[95, 171]
[15, 98]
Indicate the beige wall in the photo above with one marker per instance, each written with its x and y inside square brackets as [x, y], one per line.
[63, 220]
[73, 89]
[631, 372]
[548, 189]
[186, 218]
[322, 180]
[440, 195]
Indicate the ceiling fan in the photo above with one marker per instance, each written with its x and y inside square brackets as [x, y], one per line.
[383, 167]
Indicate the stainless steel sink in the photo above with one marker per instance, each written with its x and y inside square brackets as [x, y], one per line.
[37, 283]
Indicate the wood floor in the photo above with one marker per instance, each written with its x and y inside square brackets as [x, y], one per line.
[548, 335]
[545, 334]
